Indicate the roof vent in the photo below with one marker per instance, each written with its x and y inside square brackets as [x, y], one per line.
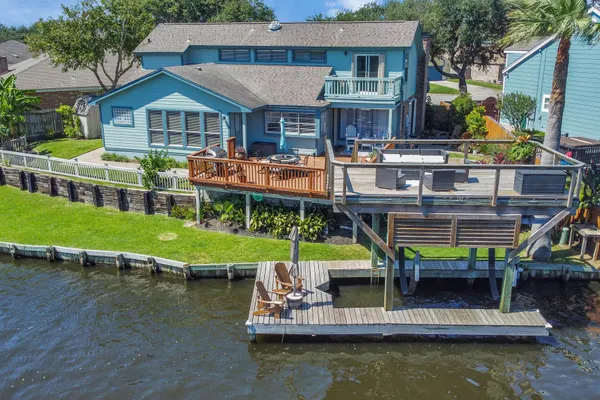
[274, 26]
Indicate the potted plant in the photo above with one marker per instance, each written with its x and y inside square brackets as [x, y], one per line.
[240, 153]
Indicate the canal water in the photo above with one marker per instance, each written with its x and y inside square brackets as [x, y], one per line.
[69, 332]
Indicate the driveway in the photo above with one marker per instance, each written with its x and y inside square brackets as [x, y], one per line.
[477, 92]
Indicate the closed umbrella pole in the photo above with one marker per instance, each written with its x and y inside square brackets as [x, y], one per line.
[294, 244]
[282, 142]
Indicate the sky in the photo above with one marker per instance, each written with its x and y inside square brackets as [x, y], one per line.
[25, 12]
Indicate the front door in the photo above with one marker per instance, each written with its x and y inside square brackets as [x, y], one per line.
[367, 66]
[236, 128]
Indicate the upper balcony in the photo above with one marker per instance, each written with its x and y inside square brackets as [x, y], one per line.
[378, 89]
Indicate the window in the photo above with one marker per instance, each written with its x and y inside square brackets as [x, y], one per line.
[174, 132]
[271, 55]
[155, 126]
[309, 56]
[122, 116]
[212, 128]
[368, 123]
[234, 55]
[192, 129]
[295, 123]
[546, 103]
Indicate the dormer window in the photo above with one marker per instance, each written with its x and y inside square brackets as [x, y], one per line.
[231, 55]
[268, 55]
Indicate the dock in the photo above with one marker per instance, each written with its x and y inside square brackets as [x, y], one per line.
[318, 316]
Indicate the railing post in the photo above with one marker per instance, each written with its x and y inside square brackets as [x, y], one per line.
[106, 174]
[496, 184]
[420, 196]
[174, 179]
[24, 161]
[49, 164]
[2, 162]
[571, 190]
[466, 153]
[76, 167]
[344, 183]
[139, 175]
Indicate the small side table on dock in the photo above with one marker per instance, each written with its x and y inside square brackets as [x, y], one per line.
[586, 231]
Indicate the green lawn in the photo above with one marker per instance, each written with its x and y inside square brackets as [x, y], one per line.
[488, 85]
[439, 89]
[42, 220]
[66, 148]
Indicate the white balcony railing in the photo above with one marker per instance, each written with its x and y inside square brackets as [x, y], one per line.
[363, 88]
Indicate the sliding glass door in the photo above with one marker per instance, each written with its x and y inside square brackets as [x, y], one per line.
[367, 66]
[368, 123]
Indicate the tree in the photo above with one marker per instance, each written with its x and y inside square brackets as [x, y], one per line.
[210, 10]
[85, 35]
[14, 103]
[565, 20]
[517, 108]
[14, 32]
[465, 33]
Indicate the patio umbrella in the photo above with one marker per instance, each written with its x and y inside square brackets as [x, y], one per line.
[282, 142]
[294, 244]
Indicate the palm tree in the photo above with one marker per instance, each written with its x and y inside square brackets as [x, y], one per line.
[565, 20]
[14, 103]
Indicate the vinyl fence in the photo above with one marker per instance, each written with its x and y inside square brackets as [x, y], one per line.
[104, 173]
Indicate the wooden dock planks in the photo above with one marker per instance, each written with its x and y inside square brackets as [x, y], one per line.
[318, 316]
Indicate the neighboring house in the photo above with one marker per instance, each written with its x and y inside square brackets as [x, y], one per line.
[14, 52]
[492, 73]
[530, 69]
[207, 82]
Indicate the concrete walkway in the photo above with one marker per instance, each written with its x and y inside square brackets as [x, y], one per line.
[477, 92]
[95, 157]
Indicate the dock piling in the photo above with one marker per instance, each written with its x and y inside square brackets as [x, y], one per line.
[507, 285]
[51, 254]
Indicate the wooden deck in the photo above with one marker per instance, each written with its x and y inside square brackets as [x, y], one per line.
[318, 316]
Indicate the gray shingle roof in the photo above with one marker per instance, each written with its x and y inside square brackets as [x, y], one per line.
[526, 46]
[257, 85]
[177, 37]
[42, 75]
[14, 51]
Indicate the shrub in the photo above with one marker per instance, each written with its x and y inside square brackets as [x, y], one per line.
[180, 212]
[476, 123]
[517, 108]
[278, 221]
[461, 107]
[115, 157]
[154, 162]
[71, 122]
[231, 210]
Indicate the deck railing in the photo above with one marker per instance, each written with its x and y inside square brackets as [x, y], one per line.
[104, 173]
[561, 162]
[257, 176]
[363, 88]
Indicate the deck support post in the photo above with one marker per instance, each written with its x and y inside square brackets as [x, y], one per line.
[302, 210]
[198, 205]
[472, 259]
[248, 210]
[388, 300]
[376, 223]
[354, 233]
[507, 285]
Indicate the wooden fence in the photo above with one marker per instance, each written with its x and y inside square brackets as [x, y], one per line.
[496, 131]
[40, 124]
[18, 144]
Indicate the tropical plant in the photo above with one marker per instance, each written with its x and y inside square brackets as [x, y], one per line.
[564, 20]
[230, 209]
[71, 123]
[152, 163]
[589, 196]
[517, 108]
[521, 150]
[476, 123]
[91, 32]
[181, 212]
[14, 103]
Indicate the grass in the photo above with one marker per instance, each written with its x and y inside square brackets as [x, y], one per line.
[439, 89]
[34, 218]
[488, 85]
[472, 157]
[66, 148]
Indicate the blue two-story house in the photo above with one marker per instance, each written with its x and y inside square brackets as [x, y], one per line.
[206, 82]
[530, 68]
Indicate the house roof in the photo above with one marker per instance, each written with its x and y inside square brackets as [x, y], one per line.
[253, 86]
[526, 46]
[43, 76]
[176, 38]
[14, 51]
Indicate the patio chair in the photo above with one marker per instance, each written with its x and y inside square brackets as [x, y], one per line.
[439, 180]
[461, 176]
[284, 280]
[265, 305]
[350, 137]
[389, 178]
